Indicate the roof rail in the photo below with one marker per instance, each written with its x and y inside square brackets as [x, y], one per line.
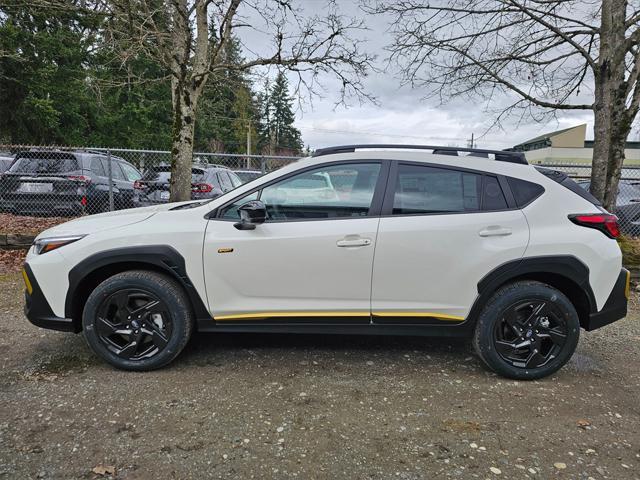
[499, 155]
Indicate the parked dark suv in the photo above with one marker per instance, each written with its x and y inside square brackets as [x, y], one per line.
[207, 181]
[627, 205]
[66, 183]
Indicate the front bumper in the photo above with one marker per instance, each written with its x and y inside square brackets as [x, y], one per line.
[37, 309]
[615, 308]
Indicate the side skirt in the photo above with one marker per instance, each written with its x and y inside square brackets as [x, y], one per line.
[424, 330]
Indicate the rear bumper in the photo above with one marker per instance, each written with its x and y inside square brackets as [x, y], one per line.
[615, 308]
[37, 309]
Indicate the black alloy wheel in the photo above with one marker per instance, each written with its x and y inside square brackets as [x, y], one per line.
[530, 334]
[138, 320]
[133, 324]
[527, 330]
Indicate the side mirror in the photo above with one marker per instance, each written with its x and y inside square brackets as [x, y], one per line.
[251, 214]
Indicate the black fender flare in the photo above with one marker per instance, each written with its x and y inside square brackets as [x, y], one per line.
[162, 258]
[566, 266]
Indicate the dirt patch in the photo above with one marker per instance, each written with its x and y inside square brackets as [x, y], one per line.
[322, 407]
[21, 225]
[11, 261]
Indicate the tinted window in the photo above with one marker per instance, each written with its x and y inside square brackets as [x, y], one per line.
[525, 192]
[421, 189]
[225, 182]
[235, 180]
[312, 195]
[116, 172]
[45, 162]
[492, 196]
[129, 172]
[96, 167]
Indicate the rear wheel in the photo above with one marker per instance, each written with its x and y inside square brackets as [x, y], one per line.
[137, 320]
[527, 330]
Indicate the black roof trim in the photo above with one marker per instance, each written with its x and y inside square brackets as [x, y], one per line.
[500, 155]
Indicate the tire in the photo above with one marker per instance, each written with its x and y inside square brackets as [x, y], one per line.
[533, 316]
[137, 320]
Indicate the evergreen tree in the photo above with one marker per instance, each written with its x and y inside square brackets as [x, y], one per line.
[227, 109]
[277, 130]
[43, 95]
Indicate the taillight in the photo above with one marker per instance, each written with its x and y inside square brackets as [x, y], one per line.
[138, 185]
[79, 178]
[605, 222]
[201, 188]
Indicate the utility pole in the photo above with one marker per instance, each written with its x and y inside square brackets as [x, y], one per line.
[248, 166]
[471, 143]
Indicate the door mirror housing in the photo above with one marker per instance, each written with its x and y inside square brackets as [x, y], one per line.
[252, 213]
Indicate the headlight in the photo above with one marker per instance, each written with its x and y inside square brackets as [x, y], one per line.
[44, 245]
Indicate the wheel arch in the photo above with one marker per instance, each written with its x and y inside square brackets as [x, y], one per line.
[90, 272]
[566, 273]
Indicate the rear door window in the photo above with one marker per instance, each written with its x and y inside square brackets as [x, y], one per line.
[130, 173]
[424, 189]
[225, 181]
[97, 168]
[116, 171]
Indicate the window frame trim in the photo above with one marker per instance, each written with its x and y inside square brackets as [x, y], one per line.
[387, 206]
[375, 208]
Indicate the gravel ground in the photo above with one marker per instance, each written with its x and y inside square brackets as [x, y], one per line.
[250, 406]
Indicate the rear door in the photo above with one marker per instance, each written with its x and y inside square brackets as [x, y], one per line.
[441, 231]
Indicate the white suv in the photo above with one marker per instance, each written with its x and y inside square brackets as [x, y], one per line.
[406, 241]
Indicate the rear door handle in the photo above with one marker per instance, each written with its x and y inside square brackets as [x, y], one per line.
[353, 242]
[495, 231]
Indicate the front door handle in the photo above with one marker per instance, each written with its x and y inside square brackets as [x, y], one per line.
[495, 231]
[353, 242]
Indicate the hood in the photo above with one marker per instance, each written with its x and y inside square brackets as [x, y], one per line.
[105, 221]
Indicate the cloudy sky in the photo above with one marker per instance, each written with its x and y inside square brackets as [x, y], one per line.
[401, 114]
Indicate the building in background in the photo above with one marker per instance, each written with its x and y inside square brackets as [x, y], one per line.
[568, 147]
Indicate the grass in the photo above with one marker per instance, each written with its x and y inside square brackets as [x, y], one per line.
[630, 247]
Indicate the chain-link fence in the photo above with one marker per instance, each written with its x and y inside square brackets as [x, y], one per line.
[628, 200]
[52, 181]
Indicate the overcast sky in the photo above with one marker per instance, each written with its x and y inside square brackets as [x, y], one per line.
[402, 115]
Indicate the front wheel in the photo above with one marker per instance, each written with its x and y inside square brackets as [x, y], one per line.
[527, 330]
[137, 320]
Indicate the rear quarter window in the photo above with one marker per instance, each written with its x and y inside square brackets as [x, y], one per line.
[524, 192]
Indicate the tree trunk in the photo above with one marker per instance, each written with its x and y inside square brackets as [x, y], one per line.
[610, 126]
[184, 110]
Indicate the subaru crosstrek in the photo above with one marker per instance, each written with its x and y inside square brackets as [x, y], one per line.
[373, 239]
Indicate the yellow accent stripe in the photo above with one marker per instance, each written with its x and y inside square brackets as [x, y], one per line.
[291, 314]
[441, 316]
[253, 316]
[627, 287]
[27, 282]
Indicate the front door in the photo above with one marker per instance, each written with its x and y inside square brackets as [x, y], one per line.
[442, 230]
[312, 258]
